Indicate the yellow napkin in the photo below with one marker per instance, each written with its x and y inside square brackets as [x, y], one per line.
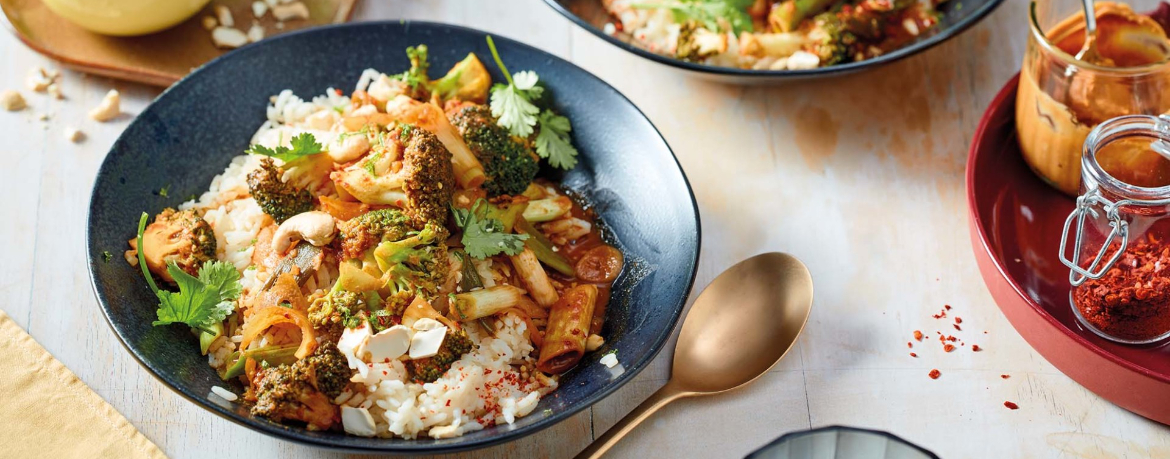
[45, 411]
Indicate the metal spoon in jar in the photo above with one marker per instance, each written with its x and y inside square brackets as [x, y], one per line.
[739, 327]
[1088, 52]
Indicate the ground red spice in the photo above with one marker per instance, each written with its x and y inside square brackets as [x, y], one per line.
[918, 335]
[957, 327]
[1011, 406]
[934, 374]
[913, 355]
[949, 347]
[909, 345]
[947, 306]
[1005, 376]
[976, 348]
[958, 320]
[1132, 300]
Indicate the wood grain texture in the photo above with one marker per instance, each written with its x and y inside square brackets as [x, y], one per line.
[860, 176]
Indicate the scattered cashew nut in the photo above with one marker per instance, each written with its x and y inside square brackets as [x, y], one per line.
[349, 147]
[318, 228]
[108, 109]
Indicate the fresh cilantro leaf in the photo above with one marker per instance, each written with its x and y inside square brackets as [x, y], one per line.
[303, 145]
[712, 14]
[553, 142]
[512, 103]
[201, 301]
[484, 236]
[222, 277]
[164, 190]
[106, 256]
[515, 111]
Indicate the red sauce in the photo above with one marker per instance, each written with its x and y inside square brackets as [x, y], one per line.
[574, 251]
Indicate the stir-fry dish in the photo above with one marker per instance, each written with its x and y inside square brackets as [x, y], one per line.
[389, 263]
[772, 35]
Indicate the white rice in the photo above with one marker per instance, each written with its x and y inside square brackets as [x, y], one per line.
[480, 390]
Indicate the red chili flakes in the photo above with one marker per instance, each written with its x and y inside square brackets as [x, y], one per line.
[909, 345]
[958, 320]
[957, 327]
[934, 374]
[918, 335]
[1011, 406]
[948, 347]
[976, 348]
[913, 355]
[448, 403]
[951, 338]
[1005, 376]
[947, 306]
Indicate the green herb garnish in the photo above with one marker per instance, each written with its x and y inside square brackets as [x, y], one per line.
[303, 145]
[484, 236]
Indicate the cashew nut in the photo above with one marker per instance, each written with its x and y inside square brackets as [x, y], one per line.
[349, 147]
[108, 109]
[315, 227]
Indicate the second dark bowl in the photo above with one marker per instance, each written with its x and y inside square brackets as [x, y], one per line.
[957, 16]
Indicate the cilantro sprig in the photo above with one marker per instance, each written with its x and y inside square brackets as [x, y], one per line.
[553, 140]
[484, 236]
[514, 104]
[202, 301]
[712, 14]
[303, 145]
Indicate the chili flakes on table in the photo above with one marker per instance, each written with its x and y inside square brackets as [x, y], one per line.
[934, 374]
[1011, 406]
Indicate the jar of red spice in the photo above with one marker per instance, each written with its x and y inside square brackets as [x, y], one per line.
[1116, 241]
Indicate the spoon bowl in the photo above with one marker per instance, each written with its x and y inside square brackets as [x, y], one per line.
[744, 322]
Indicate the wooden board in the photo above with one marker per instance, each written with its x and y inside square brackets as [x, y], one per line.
[157, 59]
[861, 177]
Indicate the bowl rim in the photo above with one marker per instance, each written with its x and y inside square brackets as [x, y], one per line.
[838, 428]
[378, 445]
[1005, 95]
[898, 54]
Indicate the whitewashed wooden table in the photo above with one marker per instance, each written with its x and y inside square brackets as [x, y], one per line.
[860, 176]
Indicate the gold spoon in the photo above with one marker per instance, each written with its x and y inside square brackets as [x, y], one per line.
[739, 327]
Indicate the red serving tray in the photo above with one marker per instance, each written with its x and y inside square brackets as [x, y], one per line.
[1016, 222]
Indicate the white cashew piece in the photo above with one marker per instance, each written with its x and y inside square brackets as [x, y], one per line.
[315, 227]
[349, 147]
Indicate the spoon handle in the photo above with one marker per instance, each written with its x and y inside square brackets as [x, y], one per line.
[601, 445]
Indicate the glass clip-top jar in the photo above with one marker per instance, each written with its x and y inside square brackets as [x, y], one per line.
[1119, 256]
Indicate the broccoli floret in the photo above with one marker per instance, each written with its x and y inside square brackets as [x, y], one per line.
[429, 176]
[304, 390]
[338, 310]
[830, 41]
[276, 198]
[455, 344]
[510, 165]
[696, 43]
[367, 230]
[417, 265]
[416, 78]
[411, 170]
[180, 237]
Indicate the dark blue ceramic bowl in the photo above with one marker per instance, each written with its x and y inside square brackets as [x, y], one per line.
[957, 16]
[192, 131]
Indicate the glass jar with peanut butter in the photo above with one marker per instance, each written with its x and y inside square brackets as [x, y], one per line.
[1061, 98]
